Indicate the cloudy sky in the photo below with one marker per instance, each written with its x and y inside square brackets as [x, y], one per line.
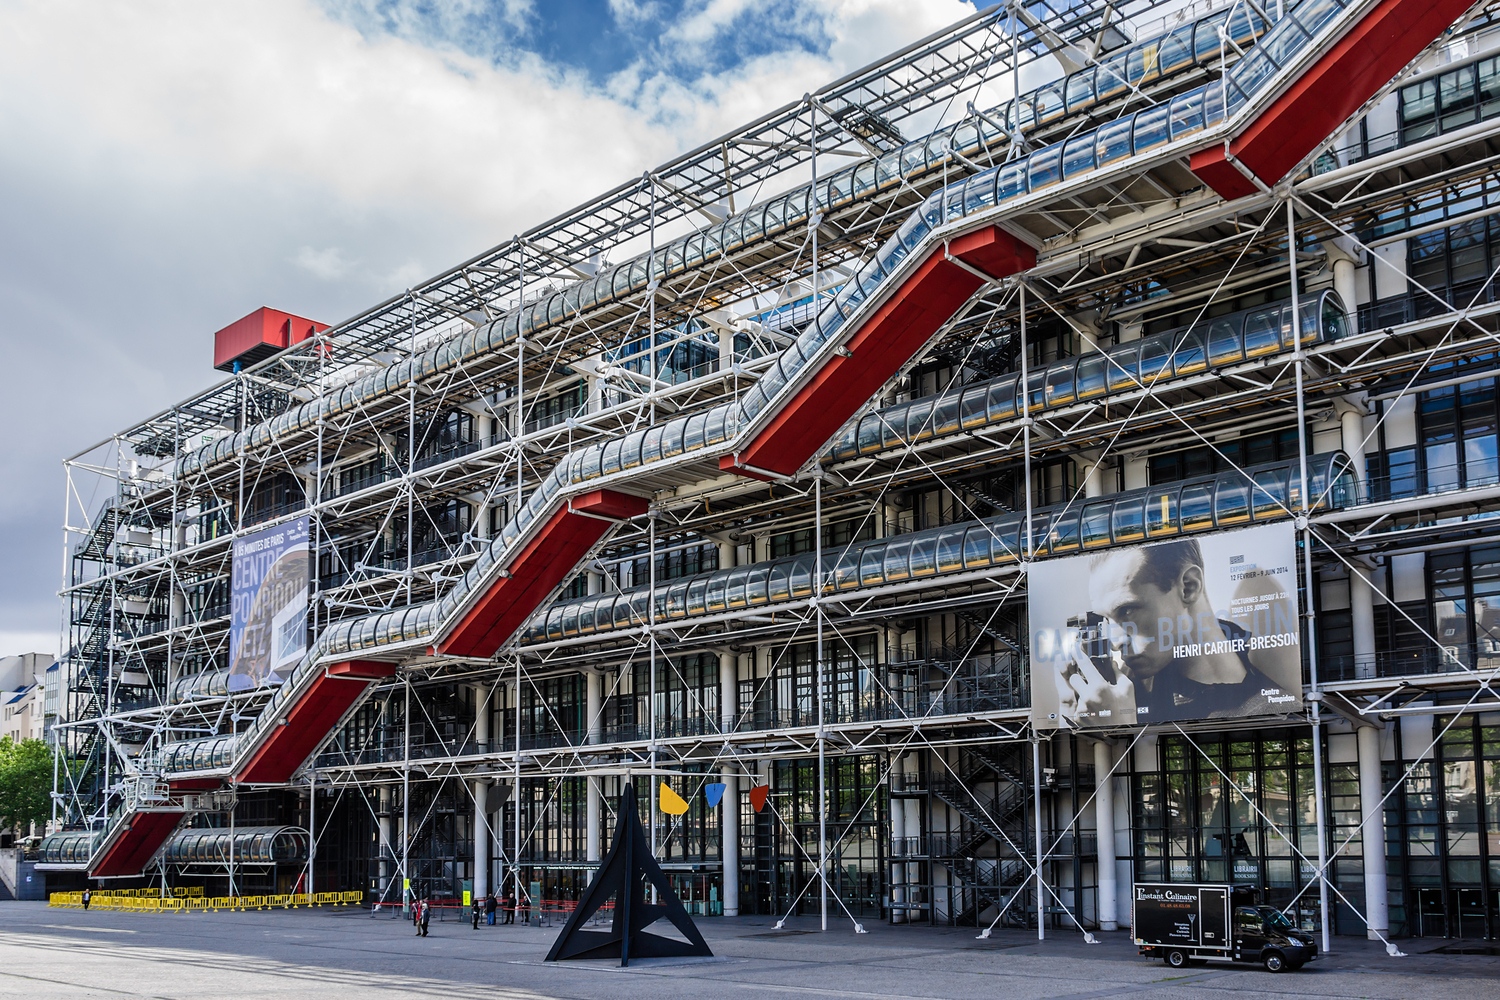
[166, 168]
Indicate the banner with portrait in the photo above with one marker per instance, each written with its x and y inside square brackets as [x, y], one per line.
[268, 593]
[1182, 629]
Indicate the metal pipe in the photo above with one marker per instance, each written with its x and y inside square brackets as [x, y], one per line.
[312, 828]
[821, 696]
[1036, 792]
[515, 798]
[1104, 830]
[816, 222]
[406, 796]
[1299, 361]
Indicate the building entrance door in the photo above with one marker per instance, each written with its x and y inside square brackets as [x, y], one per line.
[1469, 906]
[1432, 916]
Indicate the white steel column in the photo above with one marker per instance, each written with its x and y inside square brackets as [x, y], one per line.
[1024, 388]
[1319, 798]
[814, 223]
[1091, 465]
[1104, 825]
[1372, 833]
[820, 695]
[1036, 792]
[312, 829]
[593, 688]
[729, 690]
[730, 843]
[911, 769]
[894, 779]
[1345, 279]
[405, 792]
[1352, 410]
[730, 817]
[515, 794]
[1362, 613]
[481, 792]
[383, 816]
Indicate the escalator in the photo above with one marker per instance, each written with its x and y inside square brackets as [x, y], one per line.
[1270, 111]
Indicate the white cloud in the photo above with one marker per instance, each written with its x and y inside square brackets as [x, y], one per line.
[167, 167]
[328, 264]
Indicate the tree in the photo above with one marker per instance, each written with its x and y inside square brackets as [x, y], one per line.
[25, 783]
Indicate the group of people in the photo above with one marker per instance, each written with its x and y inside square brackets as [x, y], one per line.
[488, 906]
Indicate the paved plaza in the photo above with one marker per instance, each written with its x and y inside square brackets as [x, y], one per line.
[52, 954]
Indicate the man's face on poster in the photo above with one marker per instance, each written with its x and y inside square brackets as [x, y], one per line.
[1120, 591]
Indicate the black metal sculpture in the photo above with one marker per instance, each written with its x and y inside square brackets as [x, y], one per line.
[624, 876]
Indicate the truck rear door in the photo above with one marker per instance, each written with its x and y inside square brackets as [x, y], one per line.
[1213, 913]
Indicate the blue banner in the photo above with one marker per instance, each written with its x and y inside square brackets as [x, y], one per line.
[268, 594]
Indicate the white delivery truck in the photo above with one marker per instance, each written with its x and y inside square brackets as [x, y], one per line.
[1181, 924]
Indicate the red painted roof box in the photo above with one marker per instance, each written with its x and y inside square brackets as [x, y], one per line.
[260, 335]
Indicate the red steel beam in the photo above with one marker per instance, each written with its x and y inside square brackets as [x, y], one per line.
[546, 561]
[137, 844]
[307, 722]
[887, 341]
[1384, 41]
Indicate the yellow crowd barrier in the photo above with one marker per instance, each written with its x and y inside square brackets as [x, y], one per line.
[185, 899]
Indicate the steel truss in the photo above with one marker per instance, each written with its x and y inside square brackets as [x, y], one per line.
[146, 550]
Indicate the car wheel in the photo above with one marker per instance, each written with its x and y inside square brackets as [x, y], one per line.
[1274, 961]
[1177, 959]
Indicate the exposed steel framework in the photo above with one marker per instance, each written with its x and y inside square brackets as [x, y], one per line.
[844, 315]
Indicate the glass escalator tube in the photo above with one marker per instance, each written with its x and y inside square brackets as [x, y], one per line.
[1222, 501]
[1043, 168]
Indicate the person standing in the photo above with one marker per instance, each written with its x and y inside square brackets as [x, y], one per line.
[508, 904]
[88, 897]
[489, 908]
[424, 916]
[474, 905]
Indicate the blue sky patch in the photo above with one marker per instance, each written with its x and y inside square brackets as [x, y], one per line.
[597, 39]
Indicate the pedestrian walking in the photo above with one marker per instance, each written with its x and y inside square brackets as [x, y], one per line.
[88, 897]
[489, 908]
[474, 906]
[424, 915]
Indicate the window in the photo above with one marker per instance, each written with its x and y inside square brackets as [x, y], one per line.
[1197, 507]
[1080, 89]
[1128, 521]
[1224, 342]
[1151, 128]
[1161, 513]
[1141, 64]
[1091, 377]
[1188, 359]
[1263, 332]
[1096, 525]
[1078, 155]
[1459, 435]
[1113, 141]
[1454, 264]
[1045, 167]
[1254, 449]
[1049, 104]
